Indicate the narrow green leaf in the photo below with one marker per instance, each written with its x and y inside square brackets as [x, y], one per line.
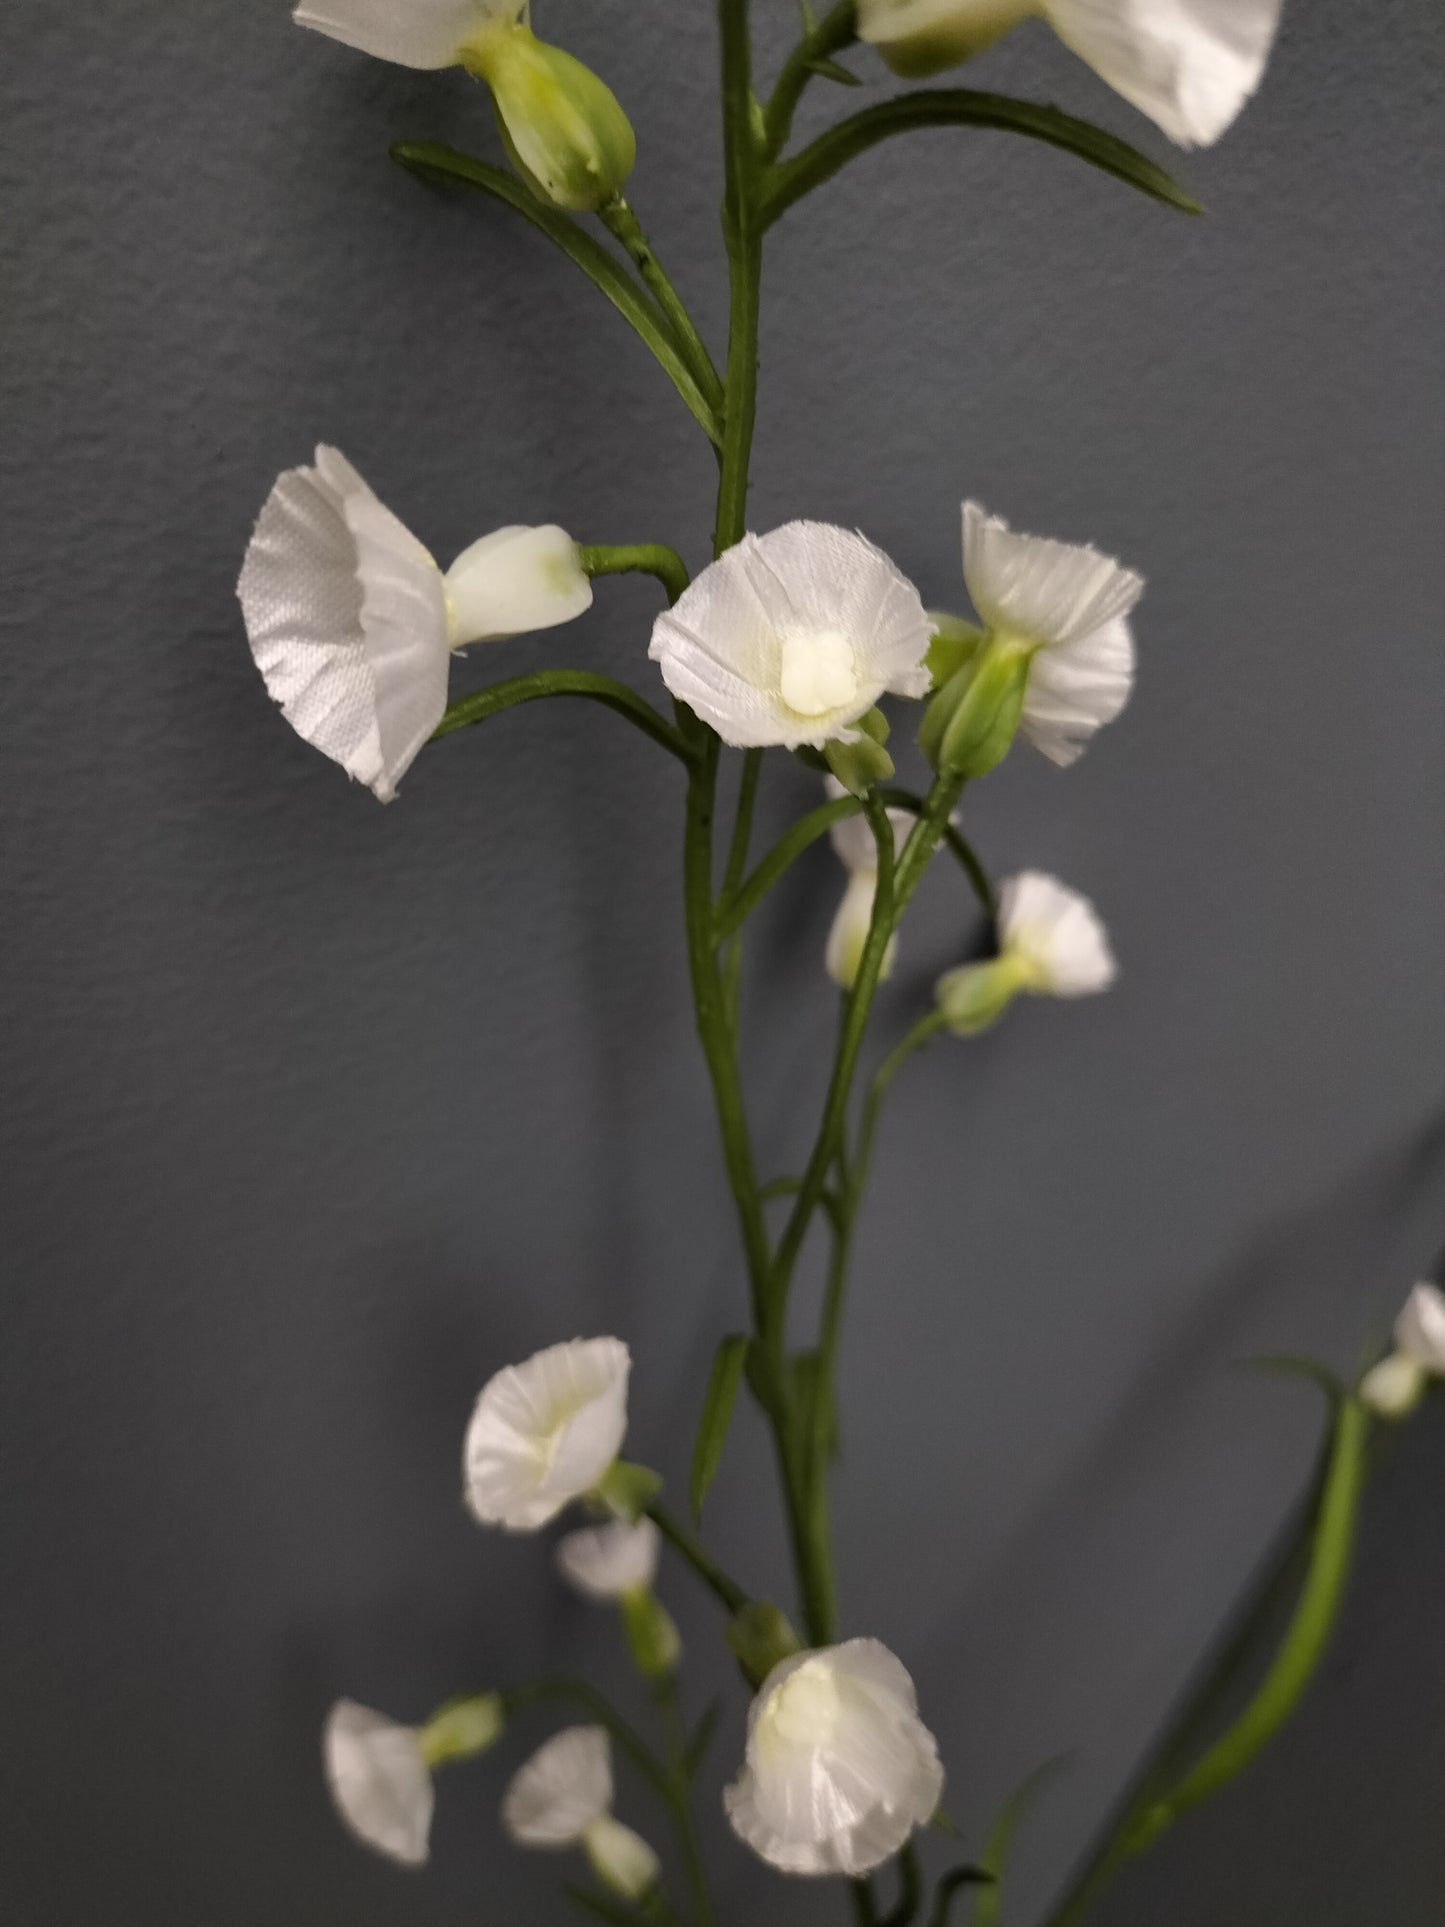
[993, 1861]
[808, 17]
[951, 1886]
[717, 1410]
[827, 69]
[702, 1737]
[789, 180]
[433, 162]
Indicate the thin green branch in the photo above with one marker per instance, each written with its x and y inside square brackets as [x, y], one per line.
[725, 1590]
[434, 162]
[498, 696]
[837, 30]
[618, 217]
[790, 180]
[638, 558]
[742, 822]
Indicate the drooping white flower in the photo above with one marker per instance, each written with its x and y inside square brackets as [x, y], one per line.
[1394, 1386]
[1065, 605]
[413, 33]
[1190, 65]
[1051, 944]
[546, 1431]
[790, 637]
[854, 845]
[379, 1781]
[562, 1797]
[839, 1767]
[352, 623]
[611, 1560]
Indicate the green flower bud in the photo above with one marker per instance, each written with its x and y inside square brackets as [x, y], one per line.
[970, 723]
[652, 1637]
[462, 1728]
[626, 1490]
[562, 127]
[858, 766]
[954, 643]
[761, 1634]
[977, 994]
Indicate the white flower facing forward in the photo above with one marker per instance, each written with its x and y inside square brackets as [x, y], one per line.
[1051, 944]
[1064, 608]
[839, 1768]
[857, 851]
[1190, 65]
[562, 1798]
[546, 1432]
[380, 1781]
[609, 1561]
[352, 623]
[1394, 1386]
[790, 637]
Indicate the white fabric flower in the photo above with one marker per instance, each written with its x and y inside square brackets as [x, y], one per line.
[1394, 1386]
[413, 33]
[379, 1781]
[791, 637]
[562, 1797]
[1190, 65]
[1068, 606]
[545, 1432]
[611, 1560]
[839, 1767]
[1056, 935]
[853, 842]
[352, 623]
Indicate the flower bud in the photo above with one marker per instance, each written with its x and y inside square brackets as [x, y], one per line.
[762, 1636]
[562, 127]
[627, 1490]
[977, 995]
[621, 1859]
[970, 723]
[652, 1637]
[858, 766]
[1393, 1388]
[463, 1728]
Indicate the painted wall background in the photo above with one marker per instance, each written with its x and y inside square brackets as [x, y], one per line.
[316, 1113]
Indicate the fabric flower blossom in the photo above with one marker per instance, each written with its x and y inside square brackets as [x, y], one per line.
[609, 1561]
[856, 850]
[1051, 944]
[380, 1781]
[562, 1797]
[1190, 65]
[545, 1432]
[1395, 1386]
[839, 1768]
[790, 637]
[352, 623]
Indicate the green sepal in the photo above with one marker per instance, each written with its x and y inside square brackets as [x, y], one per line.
[702, 1736]
[462, 1728]
[954, 643]
[761, 1634]
[627, 1490]
[860, 766]
[652, 1637]
[976, 995]
[812, 758]
[728, 1366]
[970, 723]
[562, 126]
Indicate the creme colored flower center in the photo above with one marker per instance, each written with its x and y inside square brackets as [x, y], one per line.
[805, 1709]
[819, 672]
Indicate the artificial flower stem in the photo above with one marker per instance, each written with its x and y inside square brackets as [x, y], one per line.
[637, 558]
[689, 1840]
[726, 1590]
[618, 217]
[498, 696]
[837, 30]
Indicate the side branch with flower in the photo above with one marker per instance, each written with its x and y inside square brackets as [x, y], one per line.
[791, 642]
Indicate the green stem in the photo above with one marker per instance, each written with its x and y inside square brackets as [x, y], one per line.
[743, 822]
[727, 1591]
[742, 233]
[618, 217]
[498, 696]
[836, 30]
[637, 558]
[675, 1728]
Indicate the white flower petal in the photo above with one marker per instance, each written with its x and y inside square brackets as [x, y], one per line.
[839, 1768]
[562, 1790]
[606, 1561]
[545, 1432]
[1058, 933]
[1072, 604]
[413, 33]
[347, 621]
[379, 1781]
[810, 609]
[1420, 1328]
[849, 932]
[515, 581]
[1393, 1387]
[620, 1858]
[1190, 65]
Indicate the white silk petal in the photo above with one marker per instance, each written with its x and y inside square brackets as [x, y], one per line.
[1393, 1387]
[544, 1432]
[514, 582]
[1420, 1328]
[1190, 65]
[347, 621]
[413, 33]
[381, 1785]
[606, 1561]
[721, 649]
[562, 1789]
[1059, 934]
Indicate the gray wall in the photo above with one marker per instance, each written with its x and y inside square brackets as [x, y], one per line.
[316, 1113]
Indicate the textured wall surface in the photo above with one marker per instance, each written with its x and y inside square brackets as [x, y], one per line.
[315, 1113]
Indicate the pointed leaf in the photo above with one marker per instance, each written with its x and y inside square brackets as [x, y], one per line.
[717, 1410]
[702, 1736]
[994, 1858]
[828, 69]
